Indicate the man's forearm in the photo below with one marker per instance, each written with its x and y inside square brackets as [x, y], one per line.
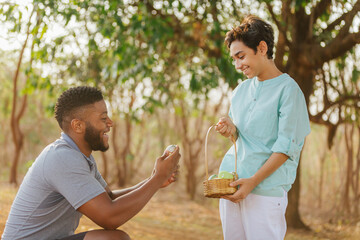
[116, 212]
[127, 206]
[117, 193]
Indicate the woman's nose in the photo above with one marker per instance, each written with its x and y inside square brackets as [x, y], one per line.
[238, 64]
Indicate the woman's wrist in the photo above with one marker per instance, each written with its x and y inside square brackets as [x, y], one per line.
[234, 136]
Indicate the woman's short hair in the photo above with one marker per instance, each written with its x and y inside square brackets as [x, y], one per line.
[251, 32]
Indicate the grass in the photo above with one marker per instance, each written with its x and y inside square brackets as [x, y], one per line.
[168, 217]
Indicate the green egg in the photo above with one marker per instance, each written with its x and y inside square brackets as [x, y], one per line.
[226, 175]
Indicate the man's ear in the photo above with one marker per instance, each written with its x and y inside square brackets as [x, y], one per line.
[78, 126]
[263, 48]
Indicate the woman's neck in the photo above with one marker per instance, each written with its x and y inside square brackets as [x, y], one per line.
[270, 71]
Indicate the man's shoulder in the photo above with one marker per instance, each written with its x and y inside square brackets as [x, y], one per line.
[59, 153]
[60, 146]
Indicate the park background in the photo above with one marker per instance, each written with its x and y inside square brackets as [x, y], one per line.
[167, 77]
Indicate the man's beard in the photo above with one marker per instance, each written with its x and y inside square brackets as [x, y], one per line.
[92, 137]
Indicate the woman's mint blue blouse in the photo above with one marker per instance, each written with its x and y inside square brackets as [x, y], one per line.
[270, 116]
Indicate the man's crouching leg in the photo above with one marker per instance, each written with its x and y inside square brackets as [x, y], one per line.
[106, 235]
[99, 235]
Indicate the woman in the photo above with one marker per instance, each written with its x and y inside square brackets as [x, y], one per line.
[268, 118]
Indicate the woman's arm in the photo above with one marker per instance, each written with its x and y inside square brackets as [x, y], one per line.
[248, 184]
[227, 128]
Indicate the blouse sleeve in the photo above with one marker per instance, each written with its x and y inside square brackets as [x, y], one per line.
[230, 114]
[294, 124]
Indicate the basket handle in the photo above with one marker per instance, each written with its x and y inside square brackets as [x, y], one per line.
[206, 161]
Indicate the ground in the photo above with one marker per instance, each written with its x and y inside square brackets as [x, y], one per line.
[168, 217]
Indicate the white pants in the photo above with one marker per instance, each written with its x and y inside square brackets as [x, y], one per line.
[254, 218]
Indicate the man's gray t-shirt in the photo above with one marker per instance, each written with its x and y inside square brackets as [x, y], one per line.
[60, 181]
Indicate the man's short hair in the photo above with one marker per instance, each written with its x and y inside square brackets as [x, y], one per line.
[251, 32]
[72, 100]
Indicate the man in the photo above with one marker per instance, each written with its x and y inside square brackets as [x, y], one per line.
[64, 183]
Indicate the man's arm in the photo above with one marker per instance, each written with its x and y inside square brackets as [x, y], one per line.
[110, 214]
[113, 194]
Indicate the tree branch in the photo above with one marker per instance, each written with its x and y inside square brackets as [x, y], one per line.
[273, 16]
[337, 47]
[320, 8]
[282, 28]
[14, 116]
[300, 27]
[347, 17]
[325, 96]
[216, 52]
[341, 101]
[282, 40]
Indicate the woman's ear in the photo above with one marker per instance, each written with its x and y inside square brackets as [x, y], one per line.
[77, 125]
[263, 48]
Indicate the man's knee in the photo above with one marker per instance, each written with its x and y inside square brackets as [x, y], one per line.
[107, 235]
[121, 235]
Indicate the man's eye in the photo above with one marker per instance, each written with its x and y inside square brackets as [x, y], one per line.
[104, 119]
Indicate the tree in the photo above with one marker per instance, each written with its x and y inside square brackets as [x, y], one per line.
[310, 34]
[160, 41]
[17, 113]
[340, 80]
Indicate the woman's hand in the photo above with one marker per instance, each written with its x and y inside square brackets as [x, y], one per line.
[246, 185]
[226, 128]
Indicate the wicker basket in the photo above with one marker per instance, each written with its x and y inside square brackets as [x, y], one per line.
[215, 188]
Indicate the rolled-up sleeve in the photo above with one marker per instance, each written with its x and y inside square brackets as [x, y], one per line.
[294, 124]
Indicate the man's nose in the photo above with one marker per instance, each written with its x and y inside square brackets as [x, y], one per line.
[110, 122]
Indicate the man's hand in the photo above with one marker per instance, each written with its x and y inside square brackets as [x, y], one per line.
[246, 185]
[166, 167]
[173, 177]
[226, 128]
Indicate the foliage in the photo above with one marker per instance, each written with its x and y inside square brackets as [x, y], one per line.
[150, 54]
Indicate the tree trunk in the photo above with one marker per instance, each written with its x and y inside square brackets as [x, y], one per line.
[304, 78]
[357, 177]
[191, 184]
[105, 166]
[293, 218]
[119, 170]
[18, 136]
[15, 161]
[349, 131]
[321, 182]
